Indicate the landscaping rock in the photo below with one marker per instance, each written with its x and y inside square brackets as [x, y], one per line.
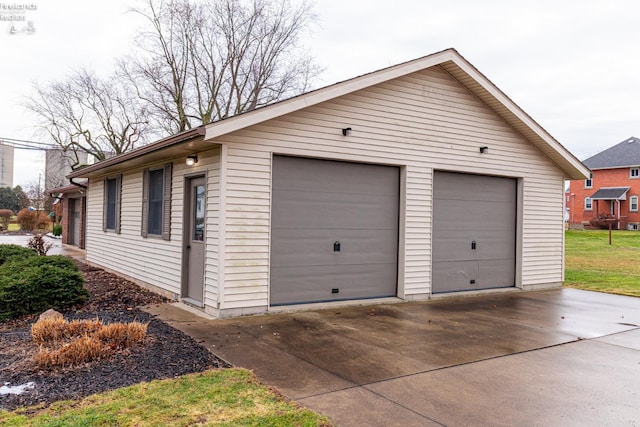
[50, 314]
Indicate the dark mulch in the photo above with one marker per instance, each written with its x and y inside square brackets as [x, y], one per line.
[166, 353]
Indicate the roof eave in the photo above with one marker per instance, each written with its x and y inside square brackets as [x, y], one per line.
[172, 140]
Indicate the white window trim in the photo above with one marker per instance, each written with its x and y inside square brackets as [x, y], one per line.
[590, 203]
[637, 175]
[631, 204]
[590, 181]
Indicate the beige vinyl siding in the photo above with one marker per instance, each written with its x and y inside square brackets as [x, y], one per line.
[153, 260]
[212, 252]
[423, 122]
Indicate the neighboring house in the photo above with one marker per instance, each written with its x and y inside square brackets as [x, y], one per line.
[613, 189]
[69, 206]
[414, 180]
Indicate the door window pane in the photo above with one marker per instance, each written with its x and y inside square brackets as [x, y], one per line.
[198, 212]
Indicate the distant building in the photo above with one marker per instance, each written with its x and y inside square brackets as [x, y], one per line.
[58, 164]
[6, 165]
[612, 193]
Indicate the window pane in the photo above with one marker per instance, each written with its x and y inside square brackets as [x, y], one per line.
[198, 209]
[111, 204]
[154, 219]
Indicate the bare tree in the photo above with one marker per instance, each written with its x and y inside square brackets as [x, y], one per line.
[84, 113]
[205, 61]
[196, 62]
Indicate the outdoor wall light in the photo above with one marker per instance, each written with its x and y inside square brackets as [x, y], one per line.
[346, 131]
[484, 150]
[192, 160]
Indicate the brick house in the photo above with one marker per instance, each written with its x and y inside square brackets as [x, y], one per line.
[613, 190]
[71, 207]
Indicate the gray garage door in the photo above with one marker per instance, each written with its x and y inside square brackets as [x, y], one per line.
[474, 232]
[334, 230]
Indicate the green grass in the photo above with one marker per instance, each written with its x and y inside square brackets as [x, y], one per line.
[592, 264]
[229, 397]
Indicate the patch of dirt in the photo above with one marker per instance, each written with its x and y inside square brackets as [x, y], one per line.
[166, 352]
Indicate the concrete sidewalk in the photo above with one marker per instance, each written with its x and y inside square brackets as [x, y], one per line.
[561, 357]
[57, 249]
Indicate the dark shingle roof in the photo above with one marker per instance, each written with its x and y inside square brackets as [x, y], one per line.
[614, 193]
[624, 154]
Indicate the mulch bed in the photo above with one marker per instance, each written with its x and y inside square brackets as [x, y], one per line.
[166, 353]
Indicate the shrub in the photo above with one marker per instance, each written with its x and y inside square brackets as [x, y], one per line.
[71, 343]
[51, 331]
[59, 261]
[18, 252]
[38, 244]
[5, 218]
[57, 230]
[27, 289]
[33, 220]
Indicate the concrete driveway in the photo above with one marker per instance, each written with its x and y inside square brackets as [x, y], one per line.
[57, 249]
[561, 357]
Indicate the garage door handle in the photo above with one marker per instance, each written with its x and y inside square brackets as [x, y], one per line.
[188, 246]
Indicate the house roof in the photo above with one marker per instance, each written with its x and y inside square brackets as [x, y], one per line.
[611, 193]
[449, 60]
[624, 154]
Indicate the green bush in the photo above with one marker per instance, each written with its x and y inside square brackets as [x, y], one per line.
[57, 230]
[35, 284]
[15, 251]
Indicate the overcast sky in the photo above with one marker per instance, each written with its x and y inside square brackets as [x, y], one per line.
[572, 65]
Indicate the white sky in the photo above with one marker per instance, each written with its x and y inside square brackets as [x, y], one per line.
[572, 65]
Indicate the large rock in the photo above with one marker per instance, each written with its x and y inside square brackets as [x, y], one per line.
[50, 314]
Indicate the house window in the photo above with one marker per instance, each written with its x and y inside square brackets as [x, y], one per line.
[111, 208]
[587, 204]
[588, 183]
[634, 172]
[156, 202]
[633, 204]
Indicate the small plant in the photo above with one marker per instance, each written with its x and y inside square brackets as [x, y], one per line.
[57, 230]
[65, 343]
[5, 218]
[38, 244]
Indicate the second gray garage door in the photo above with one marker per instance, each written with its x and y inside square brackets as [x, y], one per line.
[334, 230]
[474, 232]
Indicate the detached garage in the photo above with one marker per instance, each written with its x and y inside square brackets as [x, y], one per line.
[417, 180]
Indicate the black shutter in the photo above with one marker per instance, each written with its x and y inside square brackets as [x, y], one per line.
[118, 198]
[166, 202]
[145, 202]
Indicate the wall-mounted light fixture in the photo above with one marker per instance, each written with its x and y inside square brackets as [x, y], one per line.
[346, 131]
[192, 160]
[484, 150]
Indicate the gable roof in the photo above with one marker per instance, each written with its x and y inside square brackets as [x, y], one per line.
[449, 60]
[624, 154]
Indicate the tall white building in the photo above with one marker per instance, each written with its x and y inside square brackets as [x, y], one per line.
[6, 164]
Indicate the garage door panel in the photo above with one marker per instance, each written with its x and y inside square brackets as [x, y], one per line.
[300, 209]
[455, 275]
[334, 177]
[460, 214]
[458, 245]
[458, 186]
[315, 283]
[292, 247]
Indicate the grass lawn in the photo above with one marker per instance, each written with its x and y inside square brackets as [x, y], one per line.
[229, 397]
[592, 264]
